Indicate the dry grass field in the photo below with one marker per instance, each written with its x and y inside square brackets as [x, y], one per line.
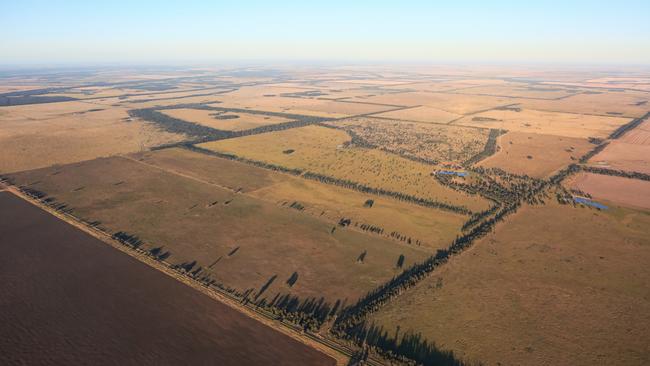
[451, 103]
[554, 285]
[639, 135]
[433, 229]
[536, 155]
[418, 140]
[35, 136]
[624, 156]
[550, 123]
[236, 239]
[425, 114]
[618, 190]
[321, 150]
[604, 103]
[305, 106]
[631, 152]
[224, 121]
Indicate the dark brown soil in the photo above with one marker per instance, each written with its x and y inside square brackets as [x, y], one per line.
[66, 298]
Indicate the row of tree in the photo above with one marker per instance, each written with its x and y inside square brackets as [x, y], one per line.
[405, 348]
[628, 126]
[383, 192]
[617, 173]
[490, 148]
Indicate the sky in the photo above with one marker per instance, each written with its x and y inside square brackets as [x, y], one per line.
[190, 31]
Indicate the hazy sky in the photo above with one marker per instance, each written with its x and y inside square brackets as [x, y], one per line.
[42, 32]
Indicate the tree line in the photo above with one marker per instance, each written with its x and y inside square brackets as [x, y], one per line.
[617, 173]
[490, 148]
[407, 347]
[383, 192]
[628, 126]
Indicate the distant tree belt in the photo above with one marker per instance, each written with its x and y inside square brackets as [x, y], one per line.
[33, 92]
[297, 117]
[28, 99]
[489, 149]
[34, 96]
[593, 152]
[211, 93]
[618, 173]
[175, 125]
[383, 192]
[628, 126]
[205, 134]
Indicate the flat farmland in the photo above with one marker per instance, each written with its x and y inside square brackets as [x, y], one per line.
[224, 121]
[605, 103]
[446, 83]
[630, 152]
[520, 91]
[552, 285]
[624, 156]
[240, 241]
[536, 155]
[425, 114]
[306, 106]
[322, 150]
[430, 228]
[619, 190]
[434, 143]
[34, 136]
[551, 123]
[70, 299]
[640, 135]
[450, 103]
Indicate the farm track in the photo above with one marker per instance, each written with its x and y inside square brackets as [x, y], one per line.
[340, 352]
